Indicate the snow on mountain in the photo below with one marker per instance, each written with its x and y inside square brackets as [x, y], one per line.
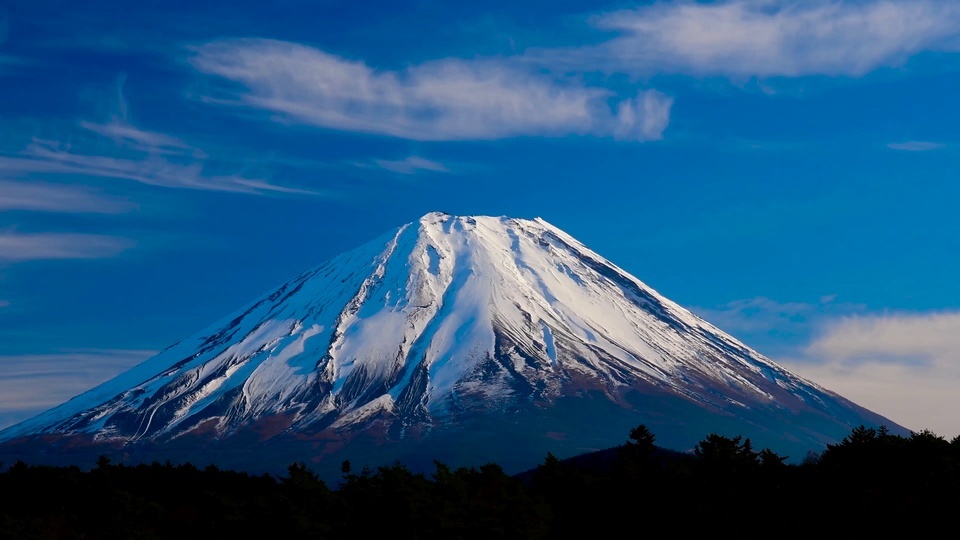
[439, 321]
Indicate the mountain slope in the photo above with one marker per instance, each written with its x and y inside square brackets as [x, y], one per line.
[446, 330]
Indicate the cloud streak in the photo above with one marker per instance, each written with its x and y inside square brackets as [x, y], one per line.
[915, 146]
[766, 38]
[411, 165]
[19, 247]
[146, 166]
[136, 154]
[42, 197]
[449, 99]
[124, 134]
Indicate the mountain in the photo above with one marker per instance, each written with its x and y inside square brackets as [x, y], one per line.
[467, 339]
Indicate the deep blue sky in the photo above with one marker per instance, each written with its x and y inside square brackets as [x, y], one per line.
[785, 169]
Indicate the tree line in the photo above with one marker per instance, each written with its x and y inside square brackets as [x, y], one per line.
[871, 481]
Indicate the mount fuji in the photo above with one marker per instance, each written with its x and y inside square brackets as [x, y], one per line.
[463, 339]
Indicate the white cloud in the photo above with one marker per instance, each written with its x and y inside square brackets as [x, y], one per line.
[32, 383]
[124, 134]
[448, 99]
[37, 196]
[17, 247]
[151, 168]
[915, 146]
[915, 339]
[410, 165]
[767, 38]
[905, 367]
[4, 303]
[121, 150]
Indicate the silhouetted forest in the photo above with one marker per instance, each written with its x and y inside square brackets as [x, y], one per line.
[870, 482]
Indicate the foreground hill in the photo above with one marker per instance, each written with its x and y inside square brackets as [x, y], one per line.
[870, 482]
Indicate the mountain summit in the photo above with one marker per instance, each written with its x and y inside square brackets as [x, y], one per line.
[459, 338]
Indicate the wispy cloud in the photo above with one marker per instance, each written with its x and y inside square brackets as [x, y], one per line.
[409, 165]
[4, 303]
[767, 38]
[155, 168]
[915, 146]
[44, 197]
[119, 149]
[904, 366]
[17, 247]
[32, 383]
[124, 134]
[448, 99]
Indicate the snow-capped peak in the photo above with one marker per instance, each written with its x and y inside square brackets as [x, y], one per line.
[440, 319]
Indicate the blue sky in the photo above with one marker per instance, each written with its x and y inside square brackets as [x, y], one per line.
[786, 169]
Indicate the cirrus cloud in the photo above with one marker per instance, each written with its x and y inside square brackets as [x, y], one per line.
[449, 99]
[18, 247]
[44, 157]
[125, 134]
[766, 38]
[409, 165]
[43, 197]
[916, 146]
